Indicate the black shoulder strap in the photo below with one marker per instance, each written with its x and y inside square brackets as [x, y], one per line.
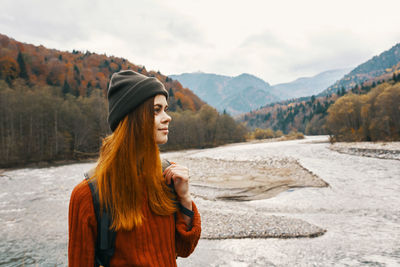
[105, 242]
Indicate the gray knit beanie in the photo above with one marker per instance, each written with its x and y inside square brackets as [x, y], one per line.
[127, 90]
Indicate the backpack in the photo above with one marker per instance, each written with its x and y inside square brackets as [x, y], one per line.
[105, 243]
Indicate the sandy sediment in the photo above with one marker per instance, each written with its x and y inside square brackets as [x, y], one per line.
[213, 179]
[222, 187]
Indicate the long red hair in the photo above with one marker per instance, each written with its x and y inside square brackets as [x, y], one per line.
[129, 171]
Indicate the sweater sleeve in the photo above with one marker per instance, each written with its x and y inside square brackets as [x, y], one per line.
[82, 227]
[187, 237]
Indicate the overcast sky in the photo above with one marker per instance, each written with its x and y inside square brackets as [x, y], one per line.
[277, 41]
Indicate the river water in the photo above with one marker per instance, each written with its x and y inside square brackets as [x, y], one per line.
[360, 211]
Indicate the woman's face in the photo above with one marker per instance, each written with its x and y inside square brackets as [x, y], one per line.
[161, 119]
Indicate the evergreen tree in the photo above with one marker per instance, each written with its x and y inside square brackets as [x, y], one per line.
[343, 92]
[22, 67]
[89, 89]
[171, 92]
[396, 78]
[66, 89]
[179, 103]
[319, 108]
[76, 69]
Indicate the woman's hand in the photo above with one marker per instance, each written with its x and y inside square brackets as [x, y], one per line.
[180, 175]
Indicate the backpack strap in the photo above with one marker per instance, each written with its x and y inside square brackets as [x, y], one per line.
[105, 243]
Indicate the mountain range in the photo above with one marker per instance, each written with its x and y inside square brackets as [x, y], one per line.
[387, 62]
[247, 92]
[309, 114]
[308, 86]
[235, 95]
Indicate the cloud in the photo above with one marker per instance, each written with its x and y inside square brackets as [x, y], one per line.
[263, 40]
[277, 41]
[332, 48]
[276, 58]
[144, 32]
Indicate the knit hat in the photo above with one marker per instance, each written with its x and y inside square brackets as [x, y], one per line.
[126, 91]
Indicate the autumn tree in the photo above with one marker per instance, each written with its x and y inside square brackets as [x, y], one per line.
[9, 69]
[385, 124]
[370, 117]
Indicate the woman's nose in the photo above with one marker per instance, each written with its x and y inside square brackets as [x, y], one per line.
[167, 118]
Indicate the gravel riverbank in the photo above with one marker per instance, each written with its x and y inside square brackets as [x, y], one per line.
[381, 150]
[222, 187]
[237, 221]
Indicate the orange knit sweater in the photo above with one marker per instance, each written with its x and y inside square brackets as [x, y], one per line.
[155, 243]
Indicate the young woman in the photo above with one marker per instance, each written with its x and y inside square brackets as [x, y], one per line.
[153, 224]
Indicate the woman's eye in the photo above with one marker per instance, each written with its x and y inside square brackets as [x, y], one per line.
[157, 110]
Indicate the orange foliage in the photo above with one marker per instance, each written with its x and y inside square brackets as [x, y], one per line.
[8, 68]
[50, 66]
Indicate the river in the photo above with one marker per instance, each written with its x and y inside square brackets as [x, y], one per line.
[360, 211]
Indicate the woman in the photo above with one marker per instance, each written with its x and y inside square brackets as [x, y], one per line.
[151, 229]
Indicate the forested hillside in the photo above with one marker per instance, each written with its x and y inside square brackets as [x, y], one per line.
[309, 115]
[383, 65]
[77, 73]
[53, 106]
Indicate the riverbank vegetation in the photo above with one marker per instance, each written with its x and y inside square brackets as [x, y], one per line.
[370, 117]
[41, 123]
[202, 129]
[259, 134]
[367, 112]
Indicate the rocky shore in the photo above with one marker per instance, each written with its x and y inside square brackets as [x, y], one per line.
[382, 150]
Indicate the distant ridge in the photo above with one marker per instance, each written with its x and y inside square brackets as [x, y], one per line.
[386, 62]
[235, 95]
[307, 86]
[309, 114]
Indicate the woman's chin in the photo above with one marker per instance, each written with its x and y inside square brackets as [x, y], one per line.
[162, 141]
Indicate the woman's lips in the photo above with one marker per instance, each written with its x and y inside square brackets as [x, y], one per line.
[164, 130]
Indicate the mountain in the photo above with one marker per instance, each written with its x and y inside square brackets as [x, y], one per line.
[208, 87]
[308, 114]
[308, 86]
[77, 73]
[233, 94]
[385, 63]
